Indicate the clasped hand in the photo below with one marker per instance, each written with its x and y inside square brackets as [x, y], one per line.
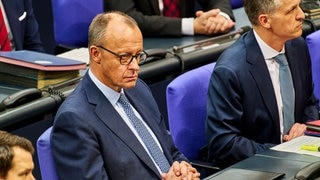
[211, 22]
[181, 171]
[296, 130]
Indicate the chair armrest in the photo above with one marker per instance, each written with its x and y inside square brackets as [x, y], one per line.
[204, 168]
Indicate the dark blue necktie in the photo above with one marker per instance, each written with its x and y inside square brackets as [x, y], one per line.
[145, 135]
[287, 92]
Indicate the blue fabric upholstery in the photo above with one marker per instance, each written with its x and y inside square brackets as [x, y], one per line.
[236, 3]
[186, 104]
[71, 20]
[46, 163]
[313, 41]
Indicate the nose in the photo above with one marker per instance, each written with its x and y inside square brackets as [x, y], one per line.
[301, 14]
[134, 64]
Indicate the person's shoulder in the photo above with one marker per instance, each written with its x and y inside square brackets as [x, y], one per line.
[236, 51]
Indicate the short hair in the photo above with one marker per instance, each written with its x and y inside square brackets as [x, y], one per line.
[98, 27]
[6, 157]
[254, 8]
[7, 142]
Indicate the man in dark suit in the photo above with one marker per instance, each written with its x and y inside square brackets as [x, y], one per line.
[93, 136]
[22, 25]
[245, 107]
[217, 18]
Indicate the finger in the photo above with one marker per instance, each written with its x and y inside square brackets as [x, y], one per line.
[218, 27]
[184, 171]
[225, 26]
[211, 13]
[176, 168]
[199, 13]
[210, 26]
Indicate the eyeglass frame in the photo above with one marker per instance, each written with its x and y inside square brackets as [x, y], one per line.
[120, 56]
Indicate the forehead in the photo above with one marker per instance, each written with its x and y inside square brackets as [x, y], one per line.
[128, 37]
[286, 5]
[22, 159]
[119, 29]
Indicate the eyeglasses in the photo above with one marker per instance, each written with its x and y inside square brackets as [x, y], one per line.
[126, 58]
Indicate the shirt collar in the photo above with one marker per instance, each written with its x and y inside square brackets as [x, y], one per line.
[267, 51]
[109, 93]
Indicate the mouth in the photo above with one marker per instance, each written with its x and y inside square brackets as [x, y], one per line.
[131, 78]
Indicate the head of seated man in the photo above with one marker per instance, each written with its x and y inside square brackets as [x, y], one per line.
[16, 161]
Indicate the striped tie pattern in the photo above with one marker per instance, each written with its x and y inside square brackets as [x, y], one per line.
[145, 135]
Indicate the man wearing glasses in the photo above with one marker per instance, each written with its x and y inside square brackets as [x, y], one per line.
[110, 126]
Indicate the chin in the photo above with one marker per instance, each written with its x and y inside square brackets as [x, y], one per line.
[130, 85]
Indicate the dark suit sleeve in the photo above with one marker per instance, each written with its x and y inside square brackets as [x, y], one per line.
[76, 149]
[147, 16]
[31, 36]
[223, 5]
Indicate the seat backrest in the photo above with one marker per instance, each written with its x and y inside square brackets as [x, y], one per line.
[71, 20]
[46, 163]
[236, 3]
[186, 104]
[313, 41]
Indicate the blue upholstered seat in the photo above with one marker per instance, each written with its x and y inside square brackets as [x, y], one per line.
[236, 3]
[71, 20]
[46, 163]
[313, 41]
[186, 104]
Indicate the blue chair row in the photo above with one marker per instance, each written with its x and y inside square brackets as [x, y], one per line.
[186, 106]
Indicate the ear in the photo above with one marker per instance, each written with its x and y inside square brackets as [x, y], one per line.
[264, 20]
[94, 54]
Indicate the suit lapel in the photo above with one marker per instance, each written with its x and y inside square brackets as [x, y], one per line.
[260, 74]
[110, 117]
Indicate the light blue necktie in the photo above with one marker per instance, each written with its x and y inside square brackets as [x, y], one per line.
[145, 135]
[287, 92]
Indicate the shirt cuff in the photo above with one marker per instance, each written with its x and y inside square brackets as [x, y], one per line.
[225, 15]
[187, 26]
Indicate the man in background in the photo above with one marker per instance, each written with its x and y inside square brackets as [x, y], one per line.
[15, 157]
[18, 26]
[181, 17]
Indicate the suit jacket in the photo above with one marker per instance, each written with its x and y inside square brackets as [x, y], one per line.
[24, 30]
[148, 16]
[91, 141]
[242, 108]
